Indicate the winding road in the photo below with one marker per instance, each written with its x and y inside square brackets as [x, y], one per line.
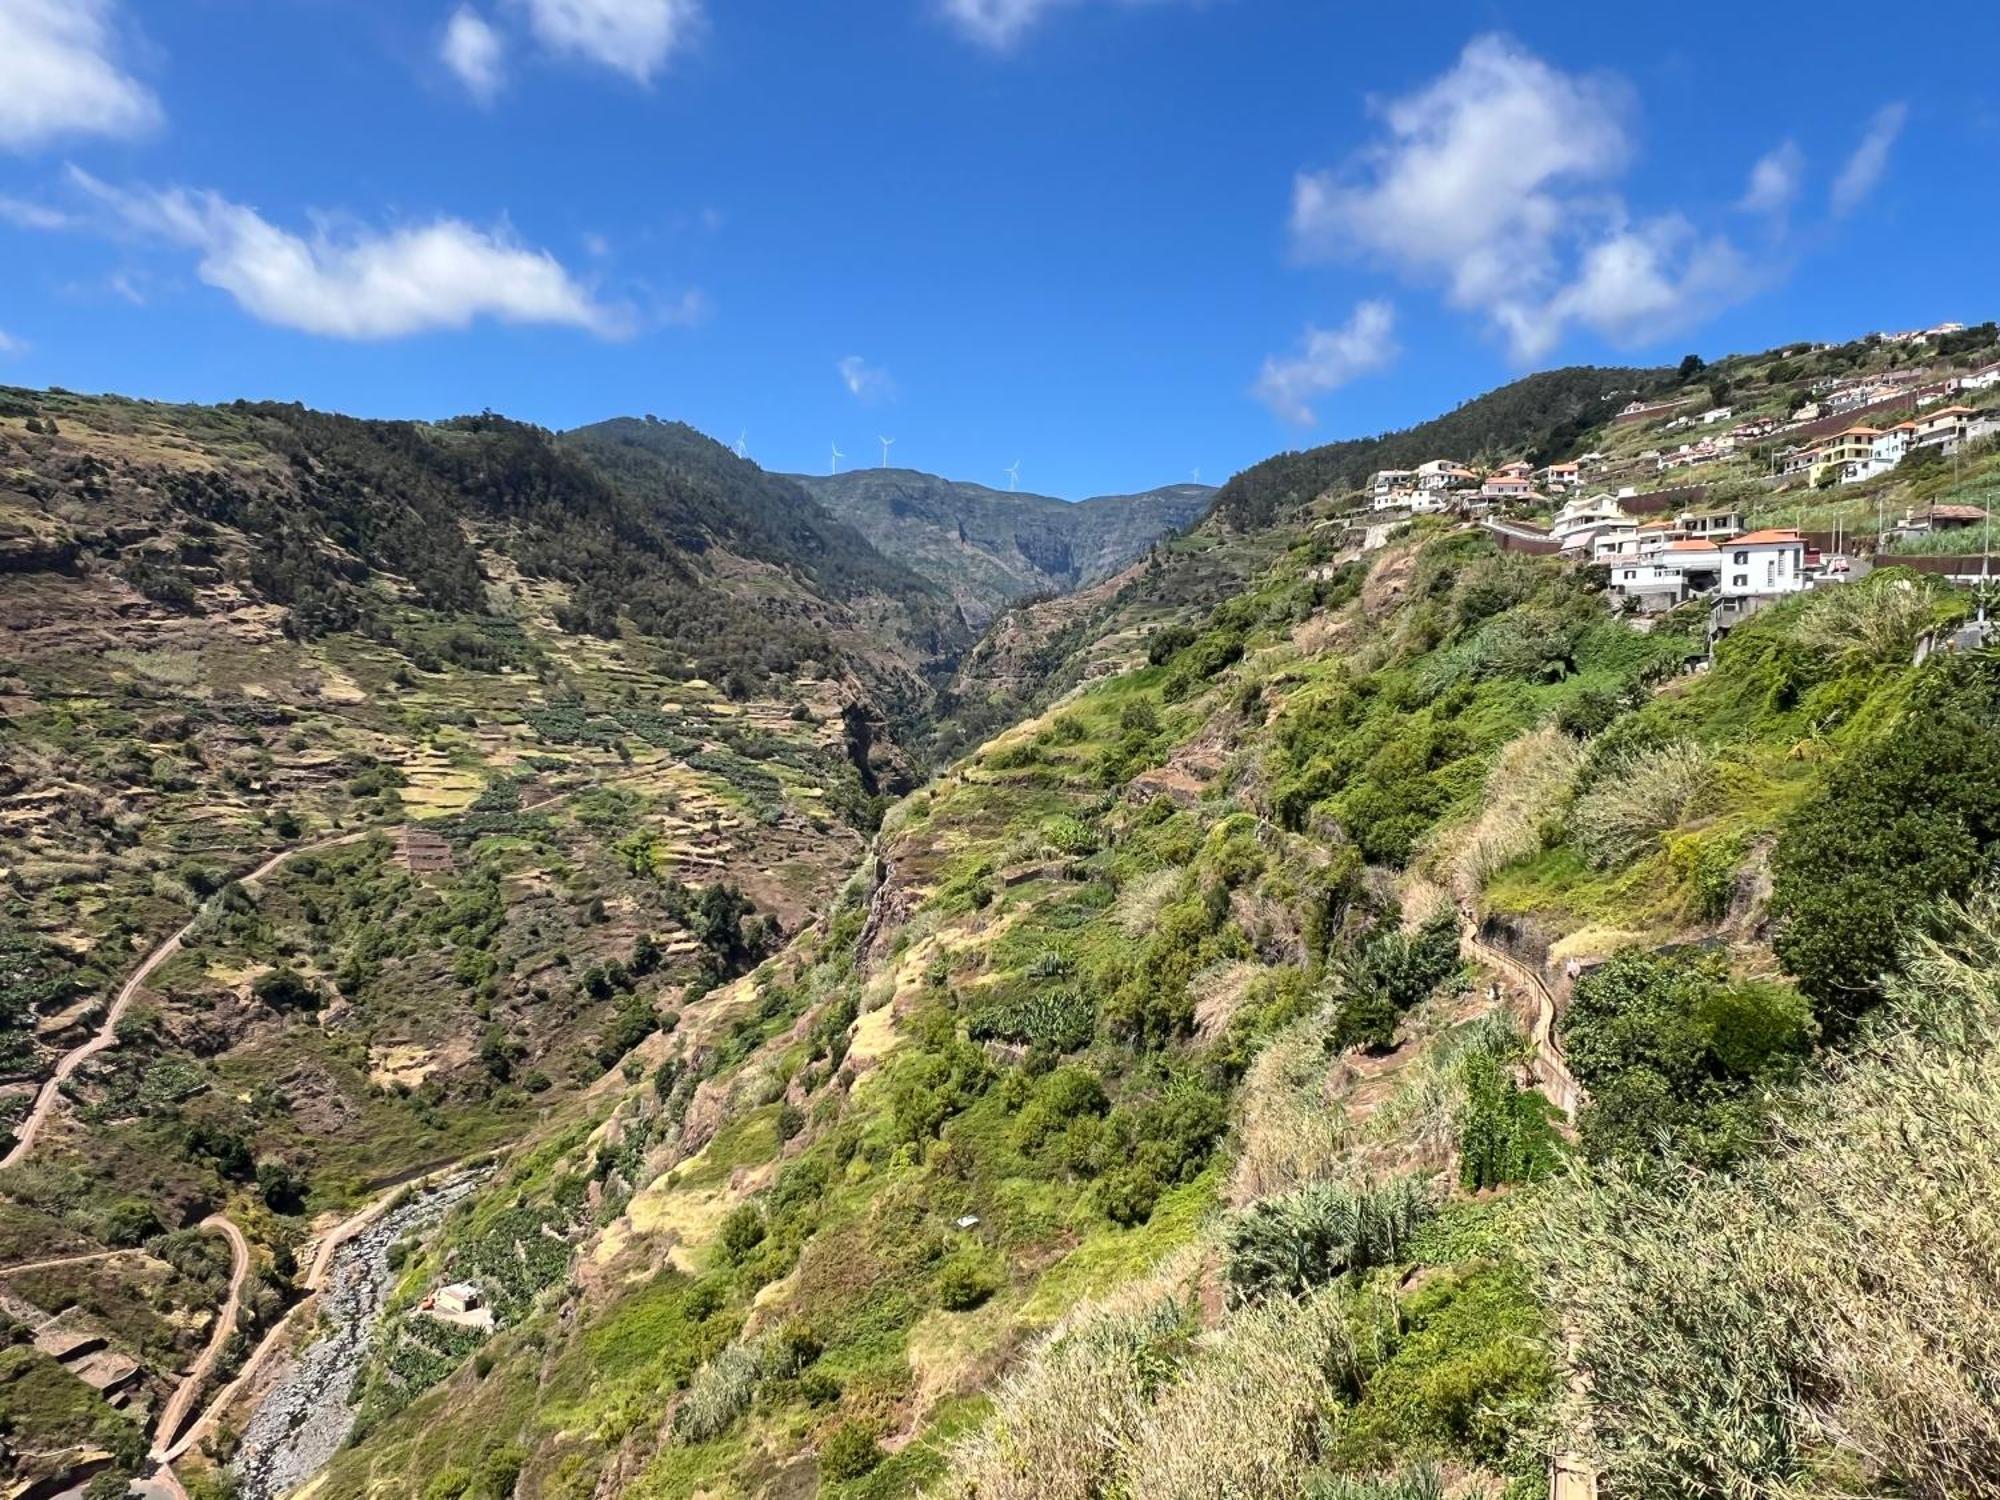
[174, 1413]
[106, 1036]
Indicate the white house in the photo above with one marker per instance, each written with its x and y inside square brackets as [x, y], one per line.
[1890, 444]
[1443, 474]
[1944, 428]
[1506, 486]
[1391, 487]
[1982, 379]
[1764, 562]
[1584, 516]
[1558, 478]
[1651, 583]
[1717, 414]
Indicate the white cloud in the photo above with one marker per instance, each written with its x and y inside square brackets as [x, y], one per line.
[472, 49]
[361, 284]
[1647, 282]
[865, 382]
[995, 23]
[686, 310]
[634, 37]
[9, 345]
[999, 24]
[1775, 180]
[1498, 181]
[58, 76]
[23, 214]
[1865, 168]
[1327, 359]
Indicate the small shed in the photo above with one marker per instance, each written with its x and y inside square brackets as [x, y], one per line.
[459, 1297]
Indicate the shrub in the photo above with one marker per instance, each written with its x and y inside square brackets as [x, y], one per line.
[1387, 973]
[1674, 1056]
[1288, 1245]
[129, 1221]
[742, 1231]
[964, 1282]
[285, 989]
[1639, 797]
[719, 1393]
[1905, 819]
[848, 1452]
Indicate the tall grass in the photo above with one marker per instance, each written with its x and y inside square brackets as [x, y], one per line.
[1640, 797]
[1875, 622]
[1531, 781]
[1140, 902]
[1256, 1408]
[1823, 1321]
[1291, 1131]
[1062, 1420]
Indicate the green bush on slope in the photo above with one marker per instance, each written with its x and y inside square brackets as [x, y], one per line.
[1819, 1320]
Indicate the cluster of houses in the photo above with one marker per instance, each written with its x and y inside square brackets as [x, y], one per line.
[1444, 483]
[1862, 452]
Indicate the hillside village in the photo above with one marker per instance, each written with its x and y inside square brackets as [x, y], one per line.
[1746, 517]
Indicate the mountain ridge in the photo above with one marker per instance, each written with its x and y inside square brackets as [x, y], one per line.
[991, 547]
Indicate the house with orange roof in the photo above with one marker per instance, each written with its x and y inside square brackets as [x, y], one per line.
[1763, 563]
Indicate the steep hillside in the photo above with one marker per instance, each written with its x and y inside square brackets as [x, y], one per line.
[1177, 1107]
[435, 744]
[992, 547]
[1365, 1015]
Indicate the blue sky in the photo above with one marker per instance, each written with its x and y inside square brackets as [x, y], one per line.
[1114, 239]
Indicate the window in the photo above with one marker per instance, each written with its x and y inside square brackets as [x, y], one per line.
[1741, 559]
[1740, 581]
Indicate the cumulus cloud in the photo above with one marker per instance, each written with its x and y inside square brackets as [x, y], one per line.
[360, 283]
[999, 24]
[1775, 180]
[1498, 181]
[634, 37]
[1865, 168]
[1326, 359]
[58, 76]
[865, 382]
[472, 49]
[9, 345]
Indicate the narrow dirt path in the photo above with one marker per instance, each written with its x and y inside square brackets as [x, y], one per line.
[1550, 1067]
[67, 1260]
[174, 1413]
[106, 1036]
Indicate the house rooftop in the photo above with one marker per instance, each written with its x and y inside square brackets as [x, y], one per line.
[1770, 538]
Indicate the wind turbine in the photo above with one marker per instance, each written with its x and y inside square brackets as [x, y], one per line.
[1197, 473]
[743, 443]
[887, 444]
[1013, 475]
[833, 466]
